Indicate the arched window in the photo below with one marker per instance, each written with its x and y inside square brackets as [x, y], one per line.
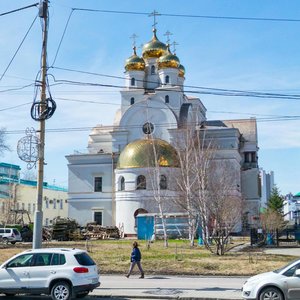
[152, 70]
[131, 101]
[163, 182]
[122, 183]
[141, 182]
[167, 99]
[167, 79]
[132, 81]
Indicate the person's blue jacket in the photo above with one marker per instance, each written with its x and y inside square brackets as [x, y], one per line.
[136, 254]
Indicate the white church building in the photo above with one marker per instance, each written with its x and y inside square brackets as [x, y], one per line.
[111, 185]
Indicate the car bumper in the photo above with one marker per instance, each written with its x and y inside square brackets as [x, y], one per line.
[87, 287]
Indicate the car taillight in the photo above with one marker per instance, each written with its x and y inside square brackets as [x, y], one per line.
[81, 270]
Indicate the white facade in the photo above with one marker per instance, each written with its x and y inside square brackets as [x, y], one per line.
[153, 105]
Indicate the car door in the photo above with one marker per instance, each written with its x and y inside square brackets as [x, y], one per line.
[40, 270]
[292, 282]
[14, 275]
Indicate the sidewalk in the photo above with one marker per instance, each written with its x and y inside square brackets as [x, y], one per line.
[170, 287]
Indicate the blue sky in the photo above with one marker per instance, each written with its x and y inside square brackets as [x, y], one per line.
[217, 53]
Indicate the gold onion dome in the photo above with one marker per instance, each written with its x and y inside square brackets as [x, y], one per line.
[134, 62]
[181, 71]
[144, 153]
[154, 48]
[168, 60]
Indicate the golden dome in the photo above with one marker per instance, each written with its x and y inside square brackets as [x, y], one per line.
[142, 154]
[181, 71]
[168, 60]
[154, 48]
[134, 62]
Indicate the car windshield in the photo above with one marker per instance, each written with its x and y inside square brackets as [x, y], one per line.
[286, 266]
[84, 259]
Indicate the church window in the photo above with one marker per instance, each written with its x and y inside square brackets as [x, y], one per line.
[131, 101]
[98, 184]
[132, 81]
[122, 184]
[152, 70]
[167, 79]
[141, 182]
[163, 182]
[98, 216]
[167, 99]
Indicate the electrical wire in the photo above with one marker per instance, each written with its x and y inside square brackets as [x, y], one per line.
[19, 9]
[12, 59]
[63, 35]
[188, 15]
[215, 91]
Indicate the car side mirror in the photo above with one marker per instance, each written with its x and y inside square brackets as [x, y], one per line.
[297, 273]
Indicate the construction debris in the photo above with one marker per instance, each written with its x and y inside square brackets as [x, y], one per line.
[98, 232]
[65, 229]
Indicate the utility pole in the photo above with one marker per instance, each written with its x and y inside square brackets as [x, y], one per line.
[38, 217]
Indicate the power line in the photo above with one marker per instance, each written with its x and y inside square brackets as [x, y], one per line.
[19, 9]
[189, 15]
[201, 90]
[205, 90]
[12, 59]
[158, 125]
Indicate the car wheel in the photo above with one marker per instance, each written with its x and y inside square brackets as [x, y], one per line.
[5, 241]
[61, 291]
[82, 295]
[271, 293]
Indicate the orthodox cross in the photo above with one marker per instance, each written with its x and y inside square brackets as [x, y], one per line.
[174, 44]
[133, 37]
[167, 34]
[154, 14]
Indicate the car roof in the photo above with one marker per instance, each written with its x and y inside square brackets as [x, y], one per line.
[56, 250]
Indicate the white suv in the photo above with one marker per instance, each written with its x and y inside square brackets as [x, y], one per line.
[61, 273]
[11, 235]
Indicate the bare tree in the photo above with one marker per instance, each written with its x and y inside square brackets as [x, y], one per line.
[224, 206]
[271, 221]
[187, 181]
[159, 194]
[208, 190]
[3, 145]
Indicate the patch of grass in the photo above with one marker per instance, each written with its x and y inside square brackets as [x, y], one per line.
[113, 257]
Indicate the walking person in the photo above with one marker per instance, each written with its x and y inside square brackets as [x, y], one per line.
[135, 259]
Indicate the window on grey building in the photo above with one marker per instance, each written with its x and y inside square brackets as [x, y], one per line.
[54, 203]
[23, 206]
[61, 203]
[163, 182]
[152, 70]
[47, 203]
[167, 79]
[131, 100]
[122, 184]
[98, 217]
[141, 182]
[98, 184]
[29, 208]
[132, 82]
[167, 99]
